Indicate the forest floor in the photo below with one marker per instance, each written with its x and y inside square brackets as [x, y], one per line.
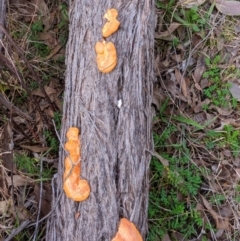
[195, 170]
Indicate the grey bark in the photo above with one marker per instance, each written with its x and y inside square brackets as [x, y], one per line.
[115, 142]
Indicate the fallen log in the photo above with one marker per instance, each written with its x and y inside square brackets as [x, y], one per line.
[113, 113]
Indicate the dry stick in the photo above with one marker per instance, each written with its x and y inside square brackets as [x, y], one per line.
[9, 65]
[19, 50]
[17, 230]
[2, 17]
[40, 200]
[11, 107]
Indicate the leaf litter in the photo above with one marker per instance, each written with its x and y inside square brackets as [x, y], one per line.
[31, 88]
[180, 64]
[213, 130]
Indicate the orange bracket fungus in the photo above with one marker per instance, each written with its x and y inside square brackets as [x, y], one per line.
[112, 25]
[127, 231]
[74, 187]
[106, 56]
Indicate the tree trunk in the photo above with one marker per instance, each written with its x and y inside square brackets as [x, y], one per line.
[115, 141]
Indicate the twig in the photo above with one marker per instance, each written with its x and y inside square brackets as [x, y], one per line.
[40, 200]
[10, 106]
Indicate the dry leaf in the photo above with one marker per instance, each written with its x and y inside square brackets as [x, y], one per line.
[237, 170]
[230, 8]
[46, 195]
[191, 3]
[221, 111]
[221, 222]
[58, 103]
[178, 75]
[7, 145]
[49, 90]
[200, 68]
[41, 7]
[167, 35]
[166, 237]
[237, 28]
[184, 88]
[235, 90]
[4, 206]
[18, 180]
[226, 211]
[35, 148]
[54, 51]
[20, 212]
[161, 159]
[198, 108]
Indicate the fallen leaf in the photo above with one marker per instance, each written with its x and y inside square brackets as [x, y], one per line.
[235, 90]
[7, 146]
[200, 68]
[166, 237]
[54, 51]
[58, 103]
[230, 8]
[4, 206]
[41, 6]
[161, 159]
[18, 180]
[226, 211]
[237, 28]
[35, 148]
[167, 35]
[199, 107]
[46, 195]
[221, 222]
[191, 3]
[49, 90]
[184, 87]
[20, 212]
[221, 111]
[237, 170]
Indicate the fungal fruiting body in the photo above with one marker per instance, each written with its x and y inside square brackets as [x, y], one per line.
[112, 25]
[127, 231]
[106, 56]
[74, 187]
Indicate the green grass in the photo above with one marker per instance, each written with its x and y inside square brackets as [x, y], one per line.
[218, 91]
[170, 188]
[228, 138]
[172, 185]
[31, 167]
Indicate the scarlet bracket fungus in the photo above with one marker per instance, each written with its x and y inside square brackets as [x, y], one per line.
[112, 25]
[74, 187]
[127, 231]
[106, 56]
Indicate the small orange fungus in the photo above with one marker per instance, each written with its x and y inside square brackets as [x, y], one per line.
[112, 25]
[106, 56]
[127, 231]
[75, 188]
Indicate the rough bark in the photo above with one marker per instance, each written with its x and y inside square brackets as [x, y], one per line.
[115, 142]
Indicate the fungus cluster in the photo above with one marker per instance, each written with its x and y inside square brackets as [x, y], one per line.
[112, 24]
[127, 231]
[75, 188]
[106, 56]
[106, 51]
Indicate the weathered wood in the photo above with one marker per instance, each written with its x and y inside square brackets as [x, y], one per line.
[115, 142]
